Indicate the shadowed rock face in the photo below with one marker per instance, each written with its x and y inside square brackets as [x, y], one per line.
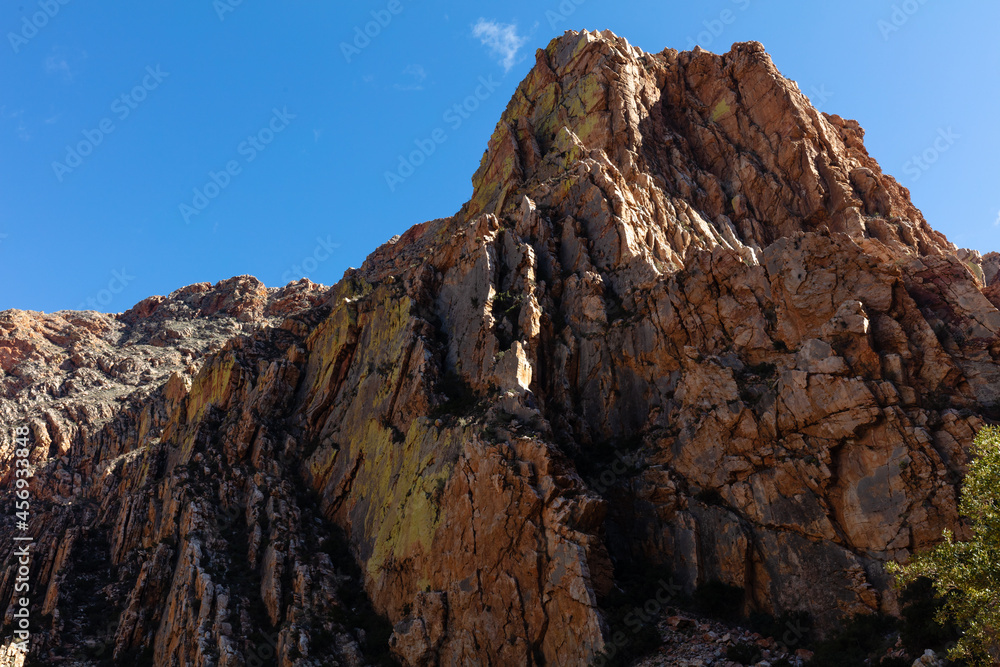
[684, 321]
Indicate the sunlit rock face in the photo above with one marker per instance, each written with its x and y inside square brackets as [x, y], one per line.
[685, 321]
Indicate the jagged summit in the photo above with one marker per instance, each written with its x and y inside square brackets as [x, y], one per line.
[685, 151]
[725, 134]
[684, 324]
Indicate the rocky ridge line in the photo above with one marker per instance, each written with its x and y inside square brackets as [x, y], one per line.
[669, 260]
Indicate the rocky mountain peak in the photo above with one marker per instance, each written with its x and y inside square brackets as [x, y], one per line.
[685, 326]
[691, 149]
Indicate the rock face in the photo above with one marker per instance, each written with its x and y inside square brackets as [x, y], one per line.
[684, 321]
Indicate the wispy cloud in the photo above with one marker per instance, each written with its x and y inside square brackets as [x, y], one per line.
[416, 76]
[501, 39]
[22, 130]
[57, 64]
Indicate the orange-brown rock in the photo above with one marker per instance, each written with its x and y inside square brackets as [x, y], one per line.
[685, 320]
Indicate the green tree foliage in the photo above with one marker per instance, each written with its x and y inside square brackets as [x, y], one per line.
[967, 574]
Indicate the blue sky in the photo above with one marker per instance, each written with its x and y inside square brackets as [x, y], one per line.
[218, 139]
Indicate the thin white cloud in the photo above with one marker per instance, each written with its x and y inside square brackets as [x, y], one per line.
[56, 64]
[416, 75]
[501, 39]
[416, 71]
[22, 130]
